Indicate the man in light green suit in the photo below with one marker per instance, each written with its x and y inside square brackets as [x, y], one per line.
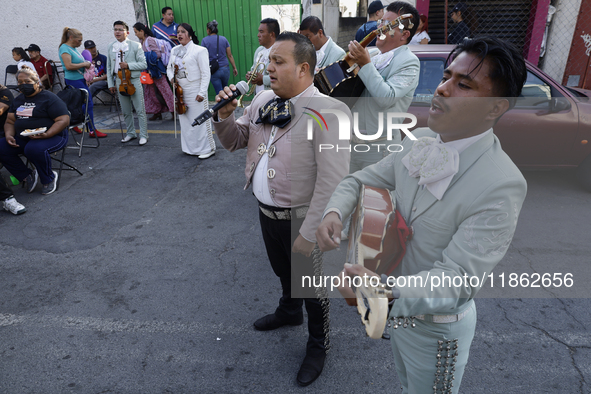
[126, 54]
[268, 33]
[460, 195]
[390, 77]
[327, 51]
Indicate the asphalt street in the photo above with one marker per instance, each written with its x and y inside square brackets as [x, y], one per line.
[145, 275]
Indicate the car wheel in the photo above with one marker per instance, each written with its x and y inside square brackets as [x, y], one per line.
[584, 174]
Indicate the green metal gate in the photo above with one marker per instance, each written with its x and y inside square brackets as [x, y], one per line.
[238, 21]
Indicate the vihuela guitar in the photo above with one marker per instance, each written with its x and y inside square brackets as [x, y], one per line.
[377, 239]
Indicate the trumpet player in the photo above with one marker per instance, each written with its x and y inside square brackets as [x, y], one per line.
[268, 32]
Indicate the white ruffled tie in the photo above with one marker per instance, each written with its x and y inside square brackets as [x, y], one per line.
[434, 163]
[120, 46]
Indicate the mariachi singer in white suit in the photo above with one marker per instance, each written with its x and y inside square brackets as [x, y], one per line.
[193, 77]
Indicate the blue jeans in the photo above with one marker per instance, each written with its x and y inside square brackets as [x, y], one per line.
[220, 78]
[81, 84]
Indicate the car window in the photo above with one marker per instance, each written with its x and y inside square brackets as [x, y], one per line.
[535, 87]
[536, 93]
[429, 78]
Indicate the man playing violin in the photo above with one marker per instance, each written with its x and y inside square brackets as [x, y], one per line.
[125, 62]
[460, 196]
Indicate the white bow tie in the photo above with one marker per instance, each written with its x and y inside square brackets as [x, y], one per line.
[120, 46]
[435, 164]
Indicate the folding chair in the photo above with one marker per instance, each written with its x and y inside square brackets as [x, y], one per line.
[62, 164]
[113, 96]
[83, 125]
[57, 80]
[11, 69]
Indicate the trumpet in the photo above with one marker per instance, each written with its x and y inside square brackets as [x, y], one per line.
[259, 68]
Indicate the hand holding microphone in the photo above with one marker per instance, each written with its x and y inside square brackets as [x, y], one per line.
[225, 97]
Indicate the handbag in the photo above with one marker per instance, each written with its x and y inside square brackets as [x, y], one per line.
[146, 78]
[213, 64]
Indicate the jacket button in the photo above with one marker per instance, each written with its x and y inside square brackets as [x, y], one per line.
[414, 209]
[270, 173]
[272, 191]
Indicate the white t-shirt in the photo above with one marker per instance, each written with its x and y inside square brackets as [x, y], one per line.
[417, 38]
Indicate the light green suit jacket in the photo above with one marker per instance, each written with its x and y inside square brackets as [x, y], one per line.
[388, 90]
[134, 57]
[467, 232]
[332, 54]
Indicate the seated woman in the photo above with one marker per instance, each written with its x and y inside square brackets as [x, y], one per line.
[35, 108]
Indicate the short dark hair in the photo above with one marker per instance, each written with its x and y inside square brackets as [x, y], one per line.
[20, 51]
[166, 9]
[122, 24]
[272, 25]
[402, 7]
[189, 30]
[144, 28]
[303, 51]
[508, 70]
[313, 24]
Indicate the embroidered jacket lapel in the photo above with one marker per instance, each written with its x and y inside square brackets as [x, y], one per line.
[298, 111]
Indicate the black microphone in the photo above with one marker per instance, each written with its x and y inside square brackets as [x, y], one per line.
[241, 88]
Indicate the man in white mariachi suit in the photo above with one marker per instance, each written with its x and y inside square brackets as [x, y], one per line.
[267, 34]
[292, 178]
[327, 52]
[461, 195]
[390, 77]
[134, 60]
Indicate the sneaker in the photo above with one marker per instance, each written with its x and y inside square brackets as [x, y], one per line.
[77, 130]
[50, 188]
[128, 138]
[97, 134]
[13, 206]
[31, 181]
[207, 155]
[143, 141]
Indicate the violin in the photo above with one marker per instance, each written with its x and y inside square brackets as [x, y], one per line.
[181, 108]
[126, 88]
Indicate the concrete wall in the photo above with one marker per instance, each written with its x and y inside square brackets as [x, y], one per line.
[330, 17]
[42, 22]
[560, 37]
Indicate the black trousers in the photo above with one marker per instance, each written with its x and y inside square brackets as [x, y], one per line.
[279, 238]
[5, 190]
